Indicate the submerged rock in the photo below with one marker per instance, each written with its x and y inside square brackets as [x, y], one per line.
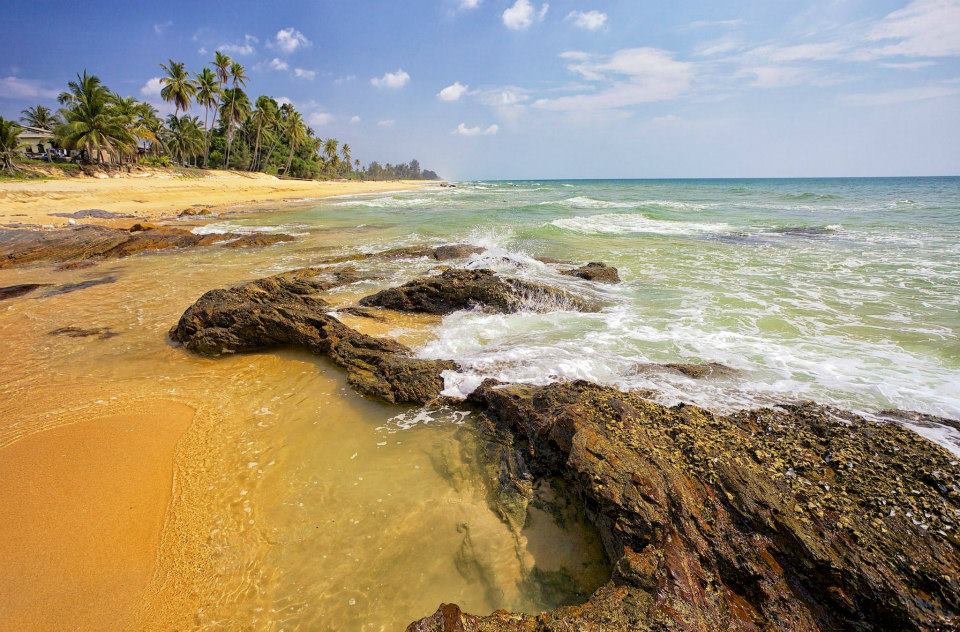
[284, 310]
[103, 333]
[690, 369]
[13, 291]
[440, 253]
[258, 239]
[595, 271]
[458, 289]
[798, 518]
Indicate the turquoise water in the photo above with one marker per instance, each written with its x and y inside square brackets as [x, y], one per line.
[845, 291]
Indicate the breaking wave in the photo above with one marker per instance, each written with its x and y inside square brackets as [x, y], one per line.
[626, 223]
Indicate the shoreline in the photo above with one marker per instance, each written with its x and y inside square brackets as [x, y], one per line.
[158, 195]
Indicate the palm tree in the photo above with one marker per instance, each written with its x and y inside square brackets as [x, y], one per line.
[238, 75]
[40, 116]
[263, 118]
[296, 134]
[184, 138]
[177, 86]
[9, 142]
[136, 117]
[89, 120]
[235, 108]
[221, 65]
[345, 150]
[208, 90]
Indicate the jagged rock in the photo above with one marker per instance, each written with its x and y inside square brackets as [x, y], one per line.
[458, 289]
[690, 369]
[455, 251]
[595, 271]
[798, 518]
[258, 239]
[285, 310]
[13, 291]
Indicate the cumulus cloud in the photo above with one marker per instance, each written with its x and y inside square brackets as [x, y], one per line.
[354, 119]
[284, 101]
[463, 130]
[152, 87]
[160, 27]
[277, 64]
[15, 87]
[289, 40]
[633, 76]
[588, 20]
[394, 80]
[453, 92]
[303, 73]
[522, 14]
[386, 123]
[923, 28]
[317, 119]
[240, 50]
[469, 4]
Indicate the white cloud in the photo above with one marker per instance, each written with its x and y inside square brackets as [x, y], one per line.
[319, 118]
[719, 46]
[152, 87]
[924, 28]
[701, 24]
[160, 27]
[903, 95]
[668, 119]
[240, 50]
[289, 40]
[522, 14]
[386, 123]
[908, 65]
[469, 4]
[346, 79]
[589, 20]
[635, 75]
[277, 64]
[453, 92]
[354, 119]
[15, 87]
[463, 130]
[284, 101]
[393, 80]
[822, 51]
[774, 76]
[303, 73]
[202, 50]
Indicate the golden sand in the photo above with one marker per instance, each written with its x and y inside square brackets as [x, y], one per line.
[156, 195]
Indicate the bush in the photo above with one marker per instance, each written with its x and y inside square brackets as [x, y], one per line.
[156, 161]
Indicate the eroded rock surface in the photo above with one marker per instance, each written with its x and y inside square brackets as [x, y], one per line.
[457, 289]
[13, 291]
[285, 310]
[595, 271]
[81, 243]
[693, 370]
[797, 518]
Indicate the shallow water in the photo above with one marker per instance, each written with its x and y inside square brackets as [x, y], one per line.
[298, 503]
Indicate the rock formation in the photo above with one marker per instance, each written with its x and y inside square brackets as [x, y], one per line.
[595, 271]
[458, 289]
[284, 310]
[798, 518]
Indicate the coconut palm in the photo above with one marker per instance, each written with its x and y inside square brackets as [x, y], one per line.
[263, 118]
[90, 122]
[184, 138]
[9, 141]
[137, 118]
[208, 91]
[345, 150]
[40, 116]
[238, 75]
[235, 109]
[296, 133]
[178, 88]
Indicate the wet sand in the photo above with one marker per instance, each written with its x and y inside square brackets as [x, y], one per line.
[81, 523]
[153, 196]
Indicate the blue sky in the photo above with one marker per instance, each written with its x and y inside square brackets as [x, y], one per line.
[529, 89]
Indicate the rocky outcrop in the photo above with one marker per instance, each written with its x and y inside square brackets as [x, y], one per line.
[90, 242]
[798, 518]
[693, 370]
[285, 310]
[13, 291]
[258, 240]
[458, 289]
[439, 253]
[595, 271]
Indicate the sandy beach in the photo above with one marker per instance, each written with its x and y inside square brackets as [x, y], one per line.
[154, 195]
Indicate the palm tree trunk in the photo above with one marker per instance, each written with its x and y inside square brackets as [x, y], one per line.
[286, 170]
[256, 149]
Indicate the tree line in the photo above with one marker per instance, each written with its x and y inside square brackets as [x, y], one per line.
[264, 136]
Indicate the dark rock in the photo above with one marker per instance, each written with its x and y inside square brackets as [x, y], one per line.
[285, 310]
[458, 289]
[258, 239]
[194, 211]
[79, 332]
[595, 271]
[362, 312]
[803, 517]
[13, 291]
[440, 253]
[138, 227]
[76, 265]
[690, 369]
[924, 420]
[455, 251]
